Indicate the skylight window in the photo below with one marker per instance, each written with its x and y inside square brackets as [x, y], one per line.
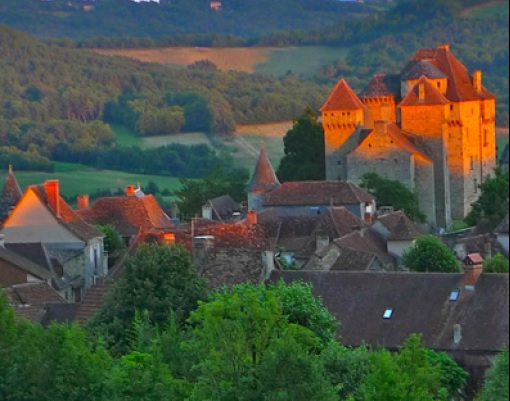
[388, 313]
[454, 296]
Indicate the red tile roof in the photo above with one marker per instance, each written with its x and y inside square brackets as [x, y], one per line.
[342, 98]
[128, 214]
[317, 193]
[405, 230]
[431, 95]
[264, 179]
[460, 83]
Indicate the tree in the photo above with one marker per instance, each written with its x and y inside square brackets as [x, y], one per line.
[247, 349]
[492, 205]
[429, 254]
[304, 150]
[496, 386]
[406, 375]
[393, 193]
[159, 279]
[112, 241]
[496, 264]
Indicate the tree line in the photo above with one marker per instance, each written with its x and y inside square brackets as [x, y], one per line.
[161, 335]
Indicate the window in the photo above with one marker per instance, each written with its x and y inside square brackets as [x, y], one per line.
[454, 296]
[485, 138]
[339, 162]
[439, 85]
[451, 107]
[388, 313]
[471, 163]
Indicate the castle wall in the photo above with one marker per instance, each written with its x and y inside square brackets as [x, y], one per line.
[380, 108]
[424, 188]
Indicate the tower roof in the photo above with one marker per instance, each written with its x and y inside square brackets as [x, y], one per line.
[342, 97]
[431, 95]
[11, 193]
[382, 85]
[415, 69]
[264, 179]
[460, 83]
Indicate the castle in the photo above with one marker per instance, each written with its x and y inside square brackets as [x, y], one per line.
[431, 127]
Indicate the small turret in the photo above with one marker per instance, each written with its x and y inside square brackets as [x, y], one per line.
[264, 180]
[10, 195]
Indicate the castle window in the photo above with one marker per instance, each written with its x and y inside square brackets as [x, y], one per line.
[485, 138]
[339, 162]
[451, 107]
[439, 85]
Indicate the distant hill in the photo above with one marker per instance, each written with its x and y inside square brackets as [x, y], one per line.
[78, 19]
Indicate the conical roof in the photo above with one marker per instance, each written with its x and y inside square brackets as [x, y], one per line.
[264, 179]
[342, 97]
[11, 193]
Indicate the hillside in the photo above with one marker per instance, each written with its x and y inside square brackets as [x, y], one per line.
[78, 19]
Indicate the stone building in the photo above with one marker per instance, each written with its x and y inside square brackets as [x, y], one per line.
[432, 127]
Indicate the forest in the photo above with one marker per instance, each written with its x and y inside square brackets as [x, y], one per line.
[158, 338]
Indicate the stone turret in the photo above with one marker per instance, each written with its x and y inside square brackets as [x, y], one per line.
[10, 195]
[264, 181]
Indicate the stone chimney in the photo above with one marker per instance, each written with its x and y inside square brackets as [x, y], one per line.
[207, 212]
[83, 202]
[201, 247]
[457, 334]
[381, 127]
[444, 46]
[477, 80]
[473, 267]
[268, 259]
[52, 189]
[251, 217]
[322, 241]
[2, 240]
[130, 190]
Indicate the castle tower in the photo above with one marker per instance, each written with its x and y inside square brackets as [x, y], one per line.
[342, 114]
[380, 99]
[10, 195]
[264, 180]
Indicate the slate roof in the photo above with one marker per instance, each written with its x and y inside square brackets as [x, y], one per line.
[382, 85]
[405, 230]
[503, 226]
[127, 214]
[36, 252]
[24, 263]
[421, 304]
[224, 207]
[416, 69]
[60, 313]
[264, 178]
[29, 300]
[342, 97]
[10, 195]
[431, 95]
[68, 217]
[317, 193]
[460, 83]
[232, 266]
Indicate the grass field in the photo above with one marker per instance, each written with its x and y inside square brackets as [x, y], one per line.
[490, 9]
[75, 179]
[305, 61]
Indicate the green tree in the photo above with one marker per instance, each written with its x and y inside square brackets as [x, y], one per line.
[8, 334]
[429, 254]
[496, 386]
[393, 193]
[112, 241]
[492, 205]
[159, 279]
[406, 375]
[496, 264]
[304, 150]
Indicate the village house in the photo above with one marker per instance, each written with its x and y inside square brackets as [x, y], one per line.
[431, 127]
[223, 208]
[74, 248]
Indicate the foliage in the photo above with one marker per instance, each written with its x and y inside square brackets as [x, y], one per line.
[496, 386]
[304, 150]
[393, 193]
[159, 279]
[195, 193]
[407, 375]
[429, 254]
[492, 205]
[497, 264]
[112, 241]
[453, 377]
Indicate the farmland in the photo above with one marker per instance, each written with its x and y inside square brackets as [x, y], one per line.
[490, 9]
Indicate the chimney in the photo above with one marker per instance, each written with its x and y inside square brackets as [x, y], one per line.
[251, 217]
[168, 239]
[457, 334]
[268, 259]
[130, 190]
[473, 267]
[10, 168]
[444, 46]
[2, 240]
[321, 241]
[83, 202]
[201, 247]
[207, 211]
[381, 126]
[477, 80]
[421, 92]
[369, 213]
[52, 189]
